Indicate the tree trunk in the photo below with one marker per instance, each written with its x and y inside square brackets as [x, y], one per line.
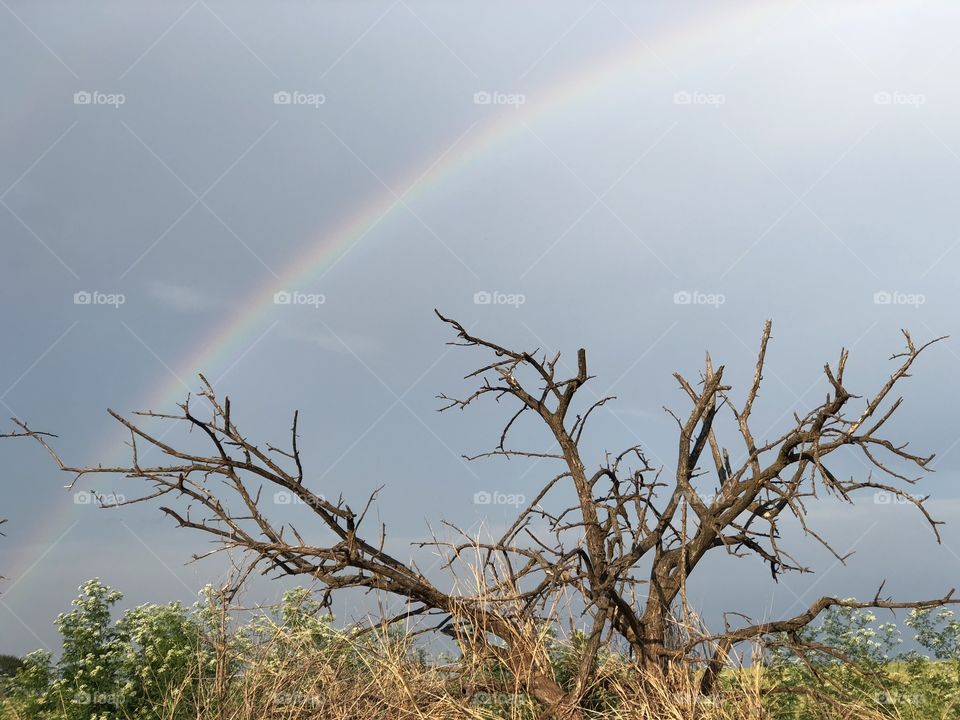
[653, 651]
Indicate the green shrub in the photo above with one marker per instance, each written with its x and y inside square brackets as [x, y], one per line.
[111, 670]
[9, 664]
[907, 686]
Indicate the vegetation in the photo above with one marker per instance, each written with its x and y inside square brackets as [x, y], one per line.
[289, 661]
[9, 664]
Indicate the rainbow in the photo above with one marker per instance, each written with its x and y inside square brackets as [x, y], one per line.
[321, 256]
[611, 73]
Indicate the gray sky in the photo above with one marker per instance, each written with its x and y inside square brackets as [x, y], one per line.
[604, 162]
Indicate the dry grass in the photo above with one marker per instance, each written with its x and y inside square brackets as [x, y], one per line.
[271, 670]
[380, 677]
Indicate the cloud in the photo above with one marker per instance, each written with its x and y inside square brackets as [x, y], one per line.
[180, 297]
[351, 343]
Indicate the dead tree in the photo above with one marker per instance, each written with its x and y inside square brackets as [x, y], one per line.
[623, 552]
[624, 516]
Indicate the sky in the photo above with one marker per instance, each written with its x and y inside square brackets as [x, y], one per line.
[279, 196]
